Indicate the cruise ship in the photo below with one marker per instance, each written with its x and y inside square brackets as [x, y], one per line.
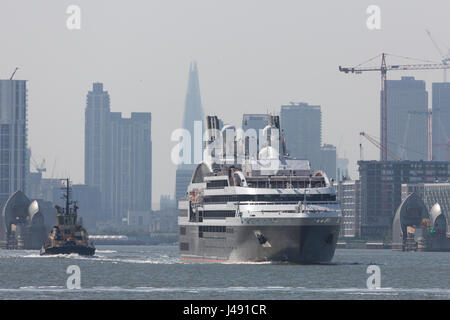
[245, 206]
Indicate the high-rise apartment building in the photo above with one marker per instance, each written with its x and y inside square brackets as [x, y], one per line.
[97, 146]
[131, 174]
[328, 159]
[301, 124]
[441, 121]
[14, 162]
[407, 111]
[117, 157]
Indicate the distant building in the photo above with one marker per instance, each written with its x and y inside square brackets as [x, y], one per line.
[14, 160]
[430, 193]
[193, 112]
[97, 150]
[165, 219]
[131, 165]
[88, 200]
[328, 160]
[301, 125]
[407, 108]
[349, 196]
[118, 157]
[441, 121]
[139, 218]
[166, 204]
[342, 168]
[182, 179]
[160, 222]
[42, 188]
[381, 183]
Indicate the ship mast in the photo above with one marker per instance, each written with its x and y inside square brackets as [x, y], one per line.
[67, 196]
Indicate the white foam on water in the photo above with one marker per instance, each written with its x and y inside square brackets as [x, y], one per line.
[350, 291]
[102, 258]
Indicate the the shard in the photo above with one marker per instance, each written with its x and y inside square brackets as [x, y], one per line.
[193, 110]
[192, 122]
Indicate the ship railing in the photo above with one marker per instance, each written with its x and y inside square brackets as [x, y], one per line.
[261, 203]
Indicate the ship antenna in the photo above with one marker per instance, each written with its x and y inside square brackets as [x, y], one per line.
[67, 196]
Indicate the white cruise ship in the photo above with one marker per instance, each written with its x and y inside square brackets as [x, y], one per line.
[265, 207]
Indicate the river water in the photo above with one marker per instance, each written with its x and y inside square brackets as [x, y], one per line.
[155, 272]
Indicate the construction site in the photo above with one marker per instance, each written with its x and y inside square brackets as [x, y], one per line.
[414, 148]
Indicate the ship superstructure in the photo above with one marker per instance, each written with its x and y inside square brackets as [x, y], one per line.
[243, 205]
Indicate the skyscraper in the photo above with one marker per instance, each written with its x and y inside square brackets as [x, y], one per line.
[131, 174]
[117, 157]
[97, 150]
[193, 112]
[328, 159]
[407, 128]
[14, 162]
[441, 121]
[301, 124]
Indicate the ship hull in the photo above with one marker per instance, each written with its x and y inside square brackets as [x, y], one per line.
[81, 250]
[302, 244]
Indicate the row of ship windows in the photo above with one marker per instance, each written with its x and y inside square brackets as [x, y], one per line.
[217, 214]
[271, 197]
[288, 184]
[212, 229]
[202, 229]
[210, 214]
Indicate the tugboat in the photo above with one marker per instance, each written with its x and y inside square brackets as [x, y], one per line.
[68, 236]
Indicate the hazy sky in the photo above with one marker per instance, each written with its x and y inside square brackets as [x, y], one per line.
[253, 56]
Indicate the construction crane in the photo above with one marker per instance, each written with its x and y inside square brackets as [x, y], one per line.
[14, 72]
[378, 145]
[445, 58]
[39, 167]
[383, 69]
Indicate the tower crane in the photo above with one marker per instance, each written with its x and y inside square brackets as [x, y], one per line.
[378, 145]
[445, 58]
[40, 167]
[383, 69]
[14, 72]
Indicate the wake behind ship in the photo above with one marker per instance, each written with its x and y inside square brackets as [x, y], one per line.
[242, 207]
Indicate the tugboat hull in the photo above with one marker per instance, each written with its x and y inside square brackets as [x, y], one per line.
[81, 250]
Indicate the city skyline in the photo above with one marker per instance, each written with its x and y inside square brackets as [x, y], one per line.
[243, 70]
